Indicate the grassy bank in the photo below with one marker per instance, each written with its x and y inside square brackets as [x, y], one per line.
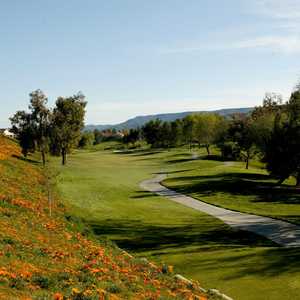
[103, 188]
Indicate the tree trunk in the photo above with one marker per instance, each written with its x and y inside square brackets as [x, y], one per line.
[280, 181]
[207, 149]
[64, 156]
[25, 153]
[298, 180]
[247, 162]
[43, 158]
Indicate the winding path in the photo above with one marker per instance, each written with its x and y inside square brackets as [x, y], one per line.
[282, 233]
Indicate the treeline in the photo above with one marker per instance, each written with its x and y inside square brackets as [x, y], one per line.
[270, 133]
[55, 131]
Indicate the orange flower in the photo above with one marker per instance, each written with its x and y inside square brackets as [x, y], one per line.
[100, 270]
[58, 296]
[75, 291]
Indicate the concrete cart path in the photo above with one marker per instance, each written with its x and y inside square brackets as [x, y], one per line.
[282, 233]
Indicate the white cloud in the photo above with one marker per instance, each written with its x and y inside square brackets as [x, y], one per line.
[283, 14]
[279, 9]
[282, 19]
[289, 44]
[284, 44]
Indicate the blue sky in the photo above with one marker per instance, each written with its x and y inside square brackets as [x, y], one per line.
[133, 57]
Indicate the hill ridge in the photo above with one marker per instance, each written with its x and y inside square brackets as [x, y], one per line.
[140, 120]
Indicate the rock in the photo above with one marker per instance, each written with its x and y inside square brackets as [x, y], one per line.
[216, 293]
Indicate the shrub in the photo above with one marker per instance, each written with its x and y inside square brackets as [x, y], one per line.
[17, 283]
[42, 281]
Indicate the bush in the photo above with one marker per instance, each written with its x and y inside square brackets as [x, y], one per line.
[17, 283]
[113, 288]
[42, 281]
[230, 150]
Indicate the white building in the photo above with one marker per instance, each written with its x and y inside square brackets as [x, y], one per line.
[7, 133]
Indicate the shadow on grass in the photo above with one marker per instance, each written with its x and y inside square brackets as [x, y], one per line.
[137, 236]
[173, 172]
[147, 153]
[208, 242]
[142, 194]
[270, 262]
[180, 160]
[27, 159]
[214, 157]
[260, 186]
[138, 152]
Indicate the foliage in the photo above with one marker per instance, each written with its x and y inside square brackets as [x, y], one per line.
[239, 139]
[68, 121]
[201, 128]
[283, 149]
[187, 130]
[40, 121]
[40, 129]
[32, 129]
[22, 128]
[87, 139]
[208, 128]
[152, 133]
[98, 136]
[132, 136]
[263, 119]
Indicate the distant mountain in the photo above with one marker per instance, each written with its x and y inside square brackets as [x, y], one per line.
[141, 120]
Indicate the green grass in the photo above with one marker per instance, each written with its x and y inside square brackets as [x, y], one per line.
[103, 188]
[231, 186]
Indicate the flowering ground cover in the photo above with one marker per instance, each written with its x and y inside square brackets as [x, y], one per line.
[55, 257]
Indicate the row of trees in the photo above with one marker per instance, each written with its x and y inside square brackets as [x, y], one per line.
[200, 129]
[46, 130]
[271, 133]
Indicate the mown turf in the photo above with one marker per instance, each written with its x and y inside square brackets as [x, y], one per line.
[230, 185]
[103, 189]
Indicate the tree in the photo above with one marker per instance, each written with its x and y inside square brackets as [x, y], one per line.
[187, 130]
[132, 136]
[207, 128]
[87, 139]
[165, 136]
[22, 128]
[241, 137]
[68, 121]
[32, 129]
[283, 149]
[272, 103]
[98, 136]
[278, 151]
[152, 133]
[264, 117]
[176, 133]
[40, 121]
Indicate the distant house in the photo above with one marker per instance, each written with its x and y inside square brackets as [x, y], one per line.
[112, 134]
[6, 132]
[120, 134]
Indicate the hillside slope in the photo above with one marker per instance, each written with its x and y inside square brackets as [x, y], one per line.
[43, 257]
[141, 120]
